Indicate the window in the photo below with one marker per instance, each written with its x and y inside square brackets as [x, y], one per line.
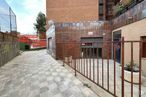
[143, 46]
[100, 1]
[101, 9]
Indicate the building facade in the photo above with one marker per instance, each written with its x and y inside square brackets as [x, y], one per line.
[131, 25]
[84, 19]
[79, 10]
[72, 10]
[131, 13]
[66, 37]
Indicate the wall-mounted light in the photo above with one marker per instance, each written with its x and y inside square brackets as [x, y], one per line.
[103, 34]
[90, 33]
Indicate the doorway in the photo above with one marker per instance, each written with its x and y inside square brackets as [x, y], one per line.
[117, 45]
[91, 46]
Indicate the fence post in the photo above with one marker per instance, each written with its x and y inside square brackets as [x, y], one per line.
[122, 43]
[63, 56]
[75, 68]
[140, 56]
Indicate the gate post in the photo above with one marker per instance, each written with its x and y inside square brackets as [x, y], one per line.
[122, 44]
[140, 63]
[75, 68]
[63, 55]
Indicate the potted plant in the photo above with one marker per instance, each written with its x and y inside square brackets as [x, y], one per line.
[128, 70]
[117, 9]
[144, 71]
[126, 2]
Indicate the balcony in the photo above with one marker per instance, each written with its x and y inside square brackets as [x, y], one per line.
[124, 17]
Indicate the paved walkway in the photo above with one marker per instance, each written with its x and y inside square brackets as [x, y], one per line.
[36, 74]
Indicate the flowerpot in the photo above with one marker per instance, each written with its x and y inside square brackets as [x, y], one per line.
[144, 81]
[144, 71]
[144, 67]
[127, 76]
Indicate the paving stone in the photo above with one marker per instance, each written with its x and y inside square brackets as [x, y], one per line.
[37, 74]
[44, 89]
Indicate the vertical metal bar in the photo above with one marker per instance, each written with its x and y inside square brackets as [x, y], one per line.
[114, 46]
[102, 67]
[84, 60]
[122, 44]
[10, 19]
[63, 54]
[140, 56]
[78, 64]
[93, 66]
[81, 62]
[97, 67]
[68, 62]
[90, 62]
[16, 23]
[75, 67]
[131, 69]
[87, 61]
[108, 67]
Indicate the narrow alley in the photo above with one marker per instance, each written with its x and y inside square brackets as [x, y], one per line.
[37, 74]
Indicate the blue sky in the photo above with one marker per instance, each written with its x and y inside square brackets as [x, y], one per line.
[26, 12]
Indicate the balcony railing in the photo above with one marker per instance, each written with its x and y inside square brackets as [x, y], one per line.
[134, 14]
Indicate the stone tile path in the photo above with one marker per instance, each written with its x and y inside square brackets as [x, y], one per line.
[37, 74]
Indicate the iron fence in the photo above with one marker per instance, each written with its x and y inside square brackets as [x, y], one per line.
[108, 69]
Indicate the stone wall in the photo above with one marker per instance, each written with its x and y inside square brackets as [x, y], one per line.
[9, 47]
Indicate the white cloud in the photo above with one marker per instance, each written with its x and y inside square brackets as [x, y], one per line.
[25, 20]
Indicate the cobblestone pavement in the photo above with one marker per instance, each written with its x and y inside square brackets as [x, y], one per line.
[37, 74]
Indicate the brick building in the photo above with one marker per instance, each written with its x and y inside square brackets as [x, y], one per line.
[79, 10]
[72, 10]
[78, 18]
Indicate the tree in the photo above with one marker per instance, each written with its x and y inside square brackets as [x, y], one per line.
[40, 23]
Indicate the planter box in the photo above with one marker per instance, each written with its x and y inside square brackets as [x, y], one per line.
[127, 76]
[144, 67]
[144, 71]
[144, 81]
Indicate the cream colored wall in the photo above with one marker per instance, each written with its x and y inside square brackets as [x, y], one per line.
[133, 32]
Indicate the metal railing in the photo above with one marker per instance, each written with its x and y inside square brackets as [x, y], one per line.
[106, 68]
[136, 13]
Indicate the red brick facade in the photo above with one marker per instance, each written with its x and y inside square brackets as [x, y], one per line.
[68, 38]
[72, 10]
